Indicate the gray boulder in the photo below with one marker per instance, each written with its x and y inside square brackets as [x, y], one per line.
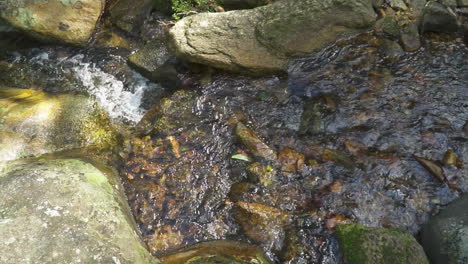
[260, 40]
[65, 211]
[438, 18]
[445, 237]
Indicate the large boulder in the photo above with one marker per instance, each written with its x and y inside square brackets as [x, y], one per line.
[69, 21]
[33, 123]
[65, 211]
[445, 237]
[260, 40]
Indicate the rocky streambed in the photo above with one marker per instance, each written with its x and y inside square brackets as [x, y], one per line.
[248, 138]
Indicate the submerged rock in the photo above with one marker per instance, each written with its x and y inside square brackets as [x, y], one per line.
[362, 245]
[265, 175]
[218, 252]
[65, 211]
[33, 123]
[445, 237]
[69, 21]
[260, 40]
[261, 223]
[254, 144]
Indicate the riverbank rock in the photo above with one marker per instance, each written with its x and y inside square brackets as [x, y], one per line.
[65, 211]
[219, 252]
[445, 237]
[362, 245]
[129, 15]
[260, 40]
[438, 18]
[33, 123]
[69, 21]
[154, 62]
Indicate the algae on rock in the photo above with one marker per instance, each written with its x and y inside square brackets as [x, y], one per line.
[366, 245]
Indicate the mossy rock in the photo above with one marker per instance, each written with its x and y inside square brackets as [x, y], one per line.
[366, 245]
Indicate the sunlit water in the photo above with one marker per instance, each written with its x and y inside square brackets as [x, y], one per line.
[120, 98]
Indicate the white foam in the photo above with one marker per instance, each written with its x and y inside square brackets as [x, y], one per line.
[121, 102]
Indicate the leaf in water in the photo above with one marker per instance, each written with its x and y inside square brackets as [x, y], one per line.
[240, 157]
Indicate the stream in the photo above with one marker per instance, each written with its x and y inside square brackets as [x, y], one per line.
[348, 124]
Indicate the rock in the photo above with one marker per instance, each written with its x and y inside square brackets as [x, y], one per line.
[390, 50]
[463, 3]
[253, 143]
[224, 40]
[433, 168]
[365, 245]
[154, 62]
[449, 3]
[261, 223]
[445, 236]
[218, 252]
[388, 25]
[129, 15]
[398, 5]
[65, 211]
[313, 119]
[259, 41]
[69, 21]
[291, 160]
[243, 4]
[300, 27]
[265, 175]
[450, 158]
[33, 123]
[437, 18]
[410, 38]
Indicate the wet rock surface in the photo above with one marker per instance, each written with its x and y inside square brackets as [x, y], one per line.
[70, 212]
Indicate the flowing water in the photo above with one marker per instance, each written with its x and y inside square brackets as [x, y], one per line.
[358, 121]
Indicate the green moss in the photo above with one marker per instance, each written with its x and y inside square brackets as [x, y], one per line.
[351, 239]
[99, 180]
[26, 17]
[184, 6]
